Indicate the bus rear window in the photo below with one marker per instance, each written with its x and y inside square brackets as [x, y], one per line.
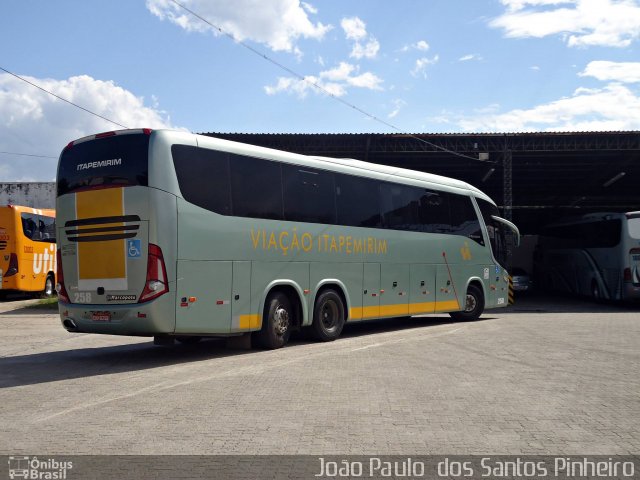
[119, 160]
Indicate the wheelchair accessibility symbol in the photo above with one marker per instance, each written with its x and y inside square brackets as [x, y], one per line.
[133, 249]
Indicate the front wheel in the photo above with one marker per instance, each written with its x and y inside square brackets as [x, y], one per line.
[277, 321]
[328, 316]
[474, 305]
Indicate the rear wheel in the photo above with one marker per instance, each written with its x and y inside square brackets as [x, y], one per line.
[49, 287]
[328, 316]
[474, 305]
[277, 321]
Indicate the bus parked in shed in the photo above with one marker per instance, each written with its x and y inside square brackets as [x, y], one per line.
[27, 250]
[596, 255]
[175, 235]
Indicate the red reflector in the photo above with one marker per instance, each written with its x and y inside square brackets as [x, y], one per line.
[105, 134]
[219, 302]
[142, 315]
[627, 275]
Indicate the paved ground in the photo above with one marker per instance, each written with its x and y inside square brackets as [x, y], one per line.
[562, 378]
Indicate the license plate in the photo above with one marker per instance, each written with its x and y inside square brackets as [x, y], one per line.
[101, 316]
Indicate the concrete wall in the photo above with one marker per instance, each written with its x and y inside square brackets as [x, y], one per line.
[29, 194]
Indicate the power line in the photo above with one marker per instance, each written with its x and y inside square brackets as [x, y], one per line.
[28, 155]
[321, 88]
[60, 98]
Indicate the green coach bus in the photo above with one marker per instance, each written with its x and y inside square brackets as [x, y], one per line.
[178, 236]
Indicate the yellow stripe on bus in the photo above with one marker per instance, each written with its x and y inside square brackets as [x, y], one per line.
[252, 321]
[101, 260]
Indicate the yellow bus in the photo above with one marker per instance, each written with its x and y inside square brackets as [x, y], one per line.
[27, 249]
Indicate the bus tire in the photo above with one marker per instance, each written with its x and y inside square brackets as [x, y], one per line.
[474, 305]
[328, 316]
[277, 321]
[49, 287]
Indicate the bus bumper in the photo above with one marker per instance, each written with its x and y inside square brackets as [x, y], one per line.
[142, 319]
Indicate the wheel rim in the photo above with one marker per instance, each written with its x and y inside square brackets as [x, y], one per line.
[281, 320]
[471, 304]
[329, 314]
[48, 286]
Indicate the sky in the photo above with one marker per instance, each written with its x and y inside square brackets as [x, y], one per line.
[286, 66]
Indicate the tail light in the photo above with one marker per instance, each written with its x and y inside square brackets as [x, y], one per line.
[13, 266]
[60, 288]
[156, 283]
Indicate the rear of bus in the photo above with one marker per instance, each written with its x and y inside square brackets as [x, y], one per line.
[27, 249]
[631, 253]
[116, 236]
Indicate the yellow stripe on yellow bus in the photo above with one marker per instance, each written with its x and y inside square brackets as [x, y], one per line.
[101, 260]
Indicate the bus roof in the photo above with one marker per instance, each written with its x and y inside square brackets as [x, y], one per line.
[47, 212]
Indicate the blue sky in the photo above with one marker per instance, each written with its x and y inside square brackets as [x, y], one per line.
[420, 65]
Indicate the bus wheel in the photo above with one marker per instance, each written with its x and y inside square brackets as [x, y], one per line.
[49, 288]
[328, 316]
[277, 321]
[474, 306]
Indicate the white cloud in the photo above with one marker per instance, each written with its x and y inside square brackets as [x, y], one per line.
[613, 23]
[354, 28]
[422, 64]
[419, 45]
[368, 50]
[275, 23]
[471, 56]
[335, 81]
[398, 104]
[626, 72]
[365, 45]
[33, 122]
[613, 107]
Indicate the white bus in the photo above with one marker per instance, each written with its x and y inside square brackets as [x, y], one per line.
[176, 235]
[595, 255]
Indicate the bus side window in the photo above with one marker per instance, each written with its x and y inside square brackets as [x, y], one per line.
[434, 212]
[308, 195]
[357, 201]
[400, 206]
[256, 187]
[464, 220]
[203, 177]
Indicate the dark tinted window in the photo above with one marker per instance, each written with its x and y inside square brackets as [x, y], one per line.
[38, 227]
[600, 234]
[203, 176]
[464, 220]
[256, 187]
[434, 211]
[119, 160]
[308, 195]
[400, 206]
[357, 199]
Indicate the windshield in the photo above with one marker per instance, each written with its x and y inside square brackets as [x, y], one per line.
[119, 160]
